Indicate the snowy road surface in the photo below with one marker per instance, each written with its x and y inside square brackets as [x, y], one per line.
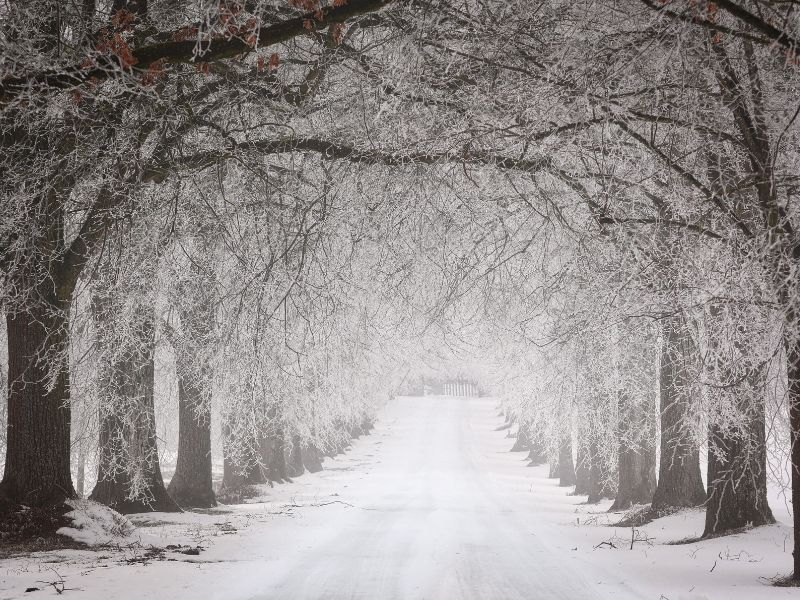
[431, 506]
[429, 520]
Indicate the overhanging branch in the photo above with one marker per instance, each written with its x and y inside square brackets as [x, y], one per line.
[334, 151]
[175, 52]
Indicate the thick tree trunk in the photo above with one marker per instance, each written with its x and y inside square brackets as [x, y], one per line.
[737, 451]
[276, 463]
[737, 479]
[536, 456]
[679, 481]
[636, 453]
[235, 477]
[80, 477]
[37, 465]
[553, 473]
[601, 484]
[191, 485]
[343, 441]
[312, 459]
[355, 431]
[129, 474]
[566, 466]
[637, 477]
[793, 364]
[523, 442]
[582, 470]
[242, 468]
[294, 458]
[367, 424]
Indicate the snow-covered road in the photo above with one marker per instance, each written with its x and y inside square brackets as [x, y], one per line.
[430, 519]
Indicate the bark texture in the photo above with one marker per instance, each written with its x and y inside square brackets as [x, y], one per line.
[601, 481]
[737, 449]
[636, 452]
[274, 458]
[582, 469]
[537, 455]
[312, 459]
[37, 465]
[553, 472]
[679, 481]
[241, 461]
[737, 479]
[523, 441]
[566, 466]
[793, 365]
[39, 285]
[293, 455]
[129, 474]
[191, 485]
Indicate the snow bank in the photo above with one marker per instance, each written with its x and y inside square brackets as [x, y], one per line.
[95, 524]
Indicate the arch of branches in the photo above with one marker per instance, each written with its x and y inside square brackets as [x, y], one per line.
[283, 208]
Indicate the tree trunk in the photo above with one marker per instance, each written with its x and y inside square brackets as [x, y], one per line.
[276, 463]
[294, 458]
[582, 470]
[679, 481]
[37, 465]
[636, 453]
[80, 478]
[737, 479]
[312, 459]
[600, 482]
[354, 431]
[241, 469]
[566, 467]
[737, 451]
[191, 485]
[129, 474]
[236, 476]
[522, 443]
[637, 477]
[553, 473]
[40, 282]
[536, 456]
[367, 424]
[793, 365]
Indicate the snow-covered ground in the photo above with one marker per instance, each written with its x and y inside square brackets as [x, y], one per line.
[430, 506]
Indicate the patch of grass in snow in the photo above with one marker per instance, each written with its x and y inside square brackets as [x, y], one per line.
[783, 581]
[26, 529]
[643, 514]
[147, 555]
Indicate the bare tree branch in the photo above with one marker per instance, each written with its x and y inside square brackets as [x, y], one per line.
[175, 52]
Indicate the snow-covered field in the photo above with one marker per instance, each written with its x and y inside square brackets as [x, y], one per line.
[431, 505]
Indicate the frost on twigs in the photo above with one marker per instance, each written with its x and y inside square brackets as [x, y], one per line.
[95, 524]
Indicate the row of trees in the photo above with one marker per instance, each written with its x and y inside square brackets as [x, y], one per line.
[294, 195]
[683, 298]
[129, 225]
[664, 276]
[639, 395]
